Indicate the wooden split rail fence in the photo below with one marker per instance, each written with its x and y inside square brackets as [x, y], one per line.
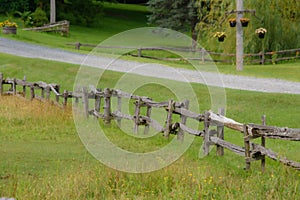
[205, 55]
[62, 27]
[213, 132]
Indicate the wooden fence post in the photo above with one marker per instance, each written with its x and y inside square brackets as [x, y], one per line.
[14, 86]
[148, 114]
[107, 106]
[1, 84]
[206, 133]
[220, 134]
[77, 91]
[97, 101]
[32, 95]
[57, 90]
[137, 115]
[139, 52]
[24, 86]
[247, 148]
[119, 119]
[263, 143]
[170, 109]
[47, 92]
[43, 93]
[85, 99]
[65, 98]
[180, 135]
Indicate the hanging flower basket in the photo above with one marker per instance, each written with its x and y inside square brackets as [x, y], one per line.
[232, 22]
[220, 35]
[8, 27]
[245, 22]
[261, 32]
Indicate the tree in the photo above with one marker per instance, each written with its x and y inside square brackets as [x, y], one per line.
[179, 15]
[281, 18]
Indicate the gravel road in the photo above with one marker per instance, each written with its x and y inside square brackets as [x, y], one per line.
[153, 70]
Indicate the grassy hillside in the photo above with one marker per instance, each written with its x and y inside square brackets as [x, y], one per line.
[42, 157]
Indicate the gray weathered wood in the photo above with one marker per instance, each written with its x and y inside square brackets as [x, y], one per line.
[148, 114]
[153, 123]
[247, 148]
[14, 87]
[170, 110]
[24, 87]
[183, 118]
[220, 134]
[284, 133]
[1, 84]
[85, 102]
[96, 114]
[107, 106]
[43, 93]
[97, 101]
[206, 139]
[57, 88]
[65, 98]
[32, 93]
[232, 147]
[263, 143]
[119, 108]
[191, 131]
[118, 114]
[137, 116]
[273, 155]
[47, 93]
[188, 113]
[216, 119]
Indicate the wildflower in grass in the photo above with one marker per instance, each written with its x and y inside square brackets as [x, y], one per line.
[190, 174]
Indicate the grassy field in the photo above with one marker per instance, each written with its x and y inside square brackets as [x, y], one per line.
[42, 157]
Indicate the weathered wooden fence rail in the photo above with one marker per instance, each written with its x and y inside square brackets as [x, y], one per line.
[205, 55]
[213, 132]
[62, 27]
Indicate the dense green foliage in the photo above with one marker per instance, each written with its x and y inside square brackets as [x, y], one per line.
[39, 17]
[281, 18]
[87, 12]
[174, 14]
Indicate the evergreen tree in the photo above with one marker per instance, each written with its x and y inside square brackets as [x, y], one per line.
[179, 15]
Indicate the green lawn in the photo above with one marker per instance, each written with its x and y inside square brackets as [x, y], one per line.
[42, 157]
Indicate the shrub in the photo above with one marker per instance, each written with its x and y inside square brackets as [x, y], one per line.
[39, 17]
